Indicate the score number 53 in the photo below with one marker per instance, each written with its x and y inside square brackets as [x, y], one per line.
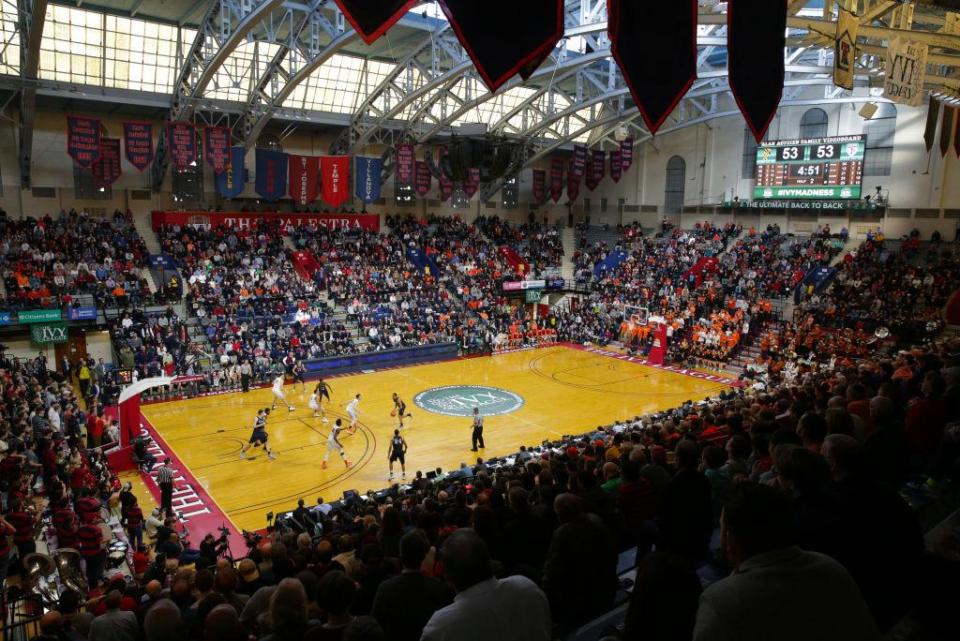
[820, 151]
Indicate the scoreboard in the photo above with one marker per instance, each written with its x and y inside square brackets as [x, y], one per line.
[827, 168]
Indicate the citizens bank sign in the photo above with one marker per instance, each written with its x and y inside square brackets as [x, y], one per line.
[48, 334]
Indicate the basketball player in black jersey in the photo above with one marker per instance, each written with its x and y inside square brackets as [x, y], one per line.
[298, 371]
[321, 391]
[399, 410]
[398, 452]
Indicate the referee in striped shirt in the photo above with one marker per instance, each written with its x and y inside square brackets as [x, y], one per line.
[165, 482]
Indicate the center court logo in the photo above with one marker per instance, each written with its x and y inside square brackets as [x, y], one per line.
[459, 400]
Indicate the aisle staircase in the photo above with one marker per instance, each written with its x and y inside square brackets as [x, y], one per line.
[569, 240]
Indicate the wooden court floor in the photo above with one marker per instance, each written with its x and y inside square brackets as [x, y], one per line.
[563, 391]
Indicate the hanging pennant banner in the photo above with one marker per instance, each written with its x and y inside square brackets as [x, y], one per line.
[640, 33]
[107, 168]
[756, 35]
[232, 181]
[596, 168]
[505, 37]
[182, 144]
[591, 180]
[138, 143]
[335, 179]
[933, 114]
[626, 153]
[216, 147]
[539, 186]
[845, 48]
[423, 178]
[83, 139]
[405, 165]
[573, 183]
[304, 174]
[368, 178]
[472, 183]
[946, 129]
[905, 70]
[579, 160]
[446, 183]
[271, 178]
[616, 168]
[372, 18]
[556, 179]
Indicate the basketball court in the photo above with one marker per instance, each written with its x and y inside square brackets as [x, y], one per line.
[525, 397]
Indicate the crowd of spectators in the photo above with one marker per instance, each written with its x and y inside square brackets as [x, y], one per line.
[49, 261]
[539, 244]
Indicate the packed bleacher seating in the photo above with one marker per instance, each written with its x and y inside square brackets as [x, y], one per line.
[50, 261]
[537, 243]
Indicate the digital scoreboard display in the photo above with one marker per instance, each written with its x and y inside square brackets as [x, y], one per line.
[818, 168]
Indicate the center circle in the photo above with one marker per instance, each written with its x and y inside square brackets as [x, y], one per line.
[459, 400]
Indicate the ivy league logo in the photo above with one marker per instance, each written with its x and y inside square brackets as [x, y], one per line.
[459, 400]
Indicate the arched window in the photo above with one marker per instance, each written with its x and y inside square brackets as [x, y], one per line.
[880, 130]
[675, 185]
[814, 123]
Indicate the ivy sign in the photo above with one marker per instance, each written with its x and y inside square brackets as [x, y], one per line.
[48, 334]
[534, 295]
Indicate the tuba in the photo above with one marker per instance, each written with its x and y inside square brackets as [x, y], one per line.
[41, 577]
[70, 570]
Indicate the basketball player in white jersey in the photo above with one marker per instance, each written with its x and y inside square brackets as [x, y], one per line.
[321, 391]
[353, 411]
[333, 444]
[397, 452]
[278, 393]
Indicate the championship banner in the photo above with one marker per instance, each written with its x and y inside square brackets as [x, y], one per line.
[845, 49]
[472, 183]
[756, 35]
[304, 174]
[616, 168]
[579, 160]
[596, 169]
[539, 186]
[271, 178]
[446, 183]
[405, 164]
[423, 179]
[372, 18]
[247, 220]
[573, 183]
[335, 179]
[930, 131]
[946, 129]
[232, 181]
[216, 147]
[182, 144]
[640, 33]
[138, 143]
[505, 37]
[556, 179]
[107, 168]
[906, 66]
[368, 171]
[626, 153]
[83, 139]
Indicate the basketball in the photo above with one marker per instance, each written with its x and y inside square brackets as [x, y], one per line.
[393, 413]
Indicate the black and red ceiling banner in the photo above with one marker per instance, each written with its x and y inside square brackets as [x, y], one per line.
[556, 179]
[217, 142]
[655, 45]
[596, 168]
[83, 139]
[616, 167]
[182, 144]
[579, 160]
[138, 143]
[107, 168]
[372, 18]
[539, 185]
[573, 183]
[505, 37]
[626, 153]
[406, 163]
[756, 36]
[423, 179]
[446, 184]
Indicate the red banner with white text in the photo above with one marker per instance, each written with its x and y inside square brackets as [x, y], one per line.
[217, 142]
[245, 220]
[304, 174]
[335, 179]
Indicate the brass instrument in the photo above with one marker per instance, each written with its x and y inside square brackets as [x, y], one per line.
[70, 570]
[41, 577]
